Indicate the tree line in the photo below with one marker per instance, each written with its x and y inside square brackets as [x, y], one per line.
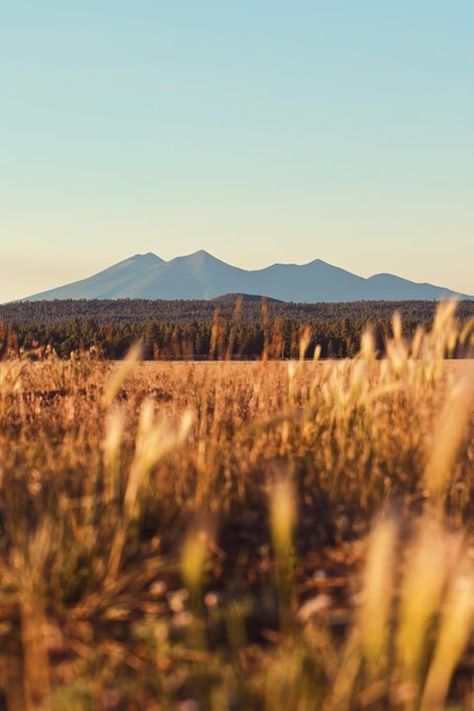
[228, 327]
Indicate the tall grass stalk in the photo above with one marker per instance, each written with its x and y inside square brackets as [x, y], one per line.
[197, 535]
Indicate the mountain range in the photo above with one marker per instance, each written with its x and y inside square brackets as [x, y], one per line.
[202, 276]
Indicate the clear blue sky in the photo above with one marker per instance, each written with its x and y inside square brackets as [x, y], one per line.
[259, 130]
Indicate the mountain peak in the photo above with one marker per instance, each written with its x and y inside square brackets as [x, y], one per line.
[147, 257]
[200, 275]
[201, 258]
[201, 254]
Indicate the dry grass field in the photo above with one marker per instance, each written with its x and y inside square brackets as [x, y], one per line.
[262, 535]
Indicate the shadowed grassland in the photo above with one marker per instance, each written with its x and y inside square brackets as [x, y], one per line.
[264, 535]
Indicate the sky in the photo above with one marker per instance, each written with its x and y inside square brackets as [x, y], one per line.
[262, 131]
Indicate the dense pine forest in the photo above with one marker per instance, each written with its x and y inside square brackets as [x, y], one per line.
[232, 326]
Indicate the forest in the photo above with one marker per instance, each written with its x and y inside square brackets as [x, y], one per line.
[230, 327]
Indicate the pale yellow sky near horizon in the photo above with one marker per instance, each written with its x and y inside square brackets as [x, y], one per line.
[37, 269]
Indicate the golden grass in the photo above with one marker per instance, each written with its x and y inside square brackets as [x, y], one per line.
[218, 536]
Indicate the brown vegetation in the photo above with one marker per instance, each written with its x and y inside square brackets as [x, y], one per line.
[264, 535]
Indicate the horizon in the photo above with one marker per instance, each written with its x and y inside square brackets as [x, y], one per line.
[86, 275]
[265, 266]
[263, 134]
[205, 253]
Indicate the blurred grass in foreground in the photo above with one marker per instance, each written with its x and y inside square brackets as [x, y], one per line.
[222, 536]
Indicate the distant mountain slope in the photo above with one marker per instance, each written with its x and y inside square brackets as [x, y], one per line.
[121, 278]
[232, 298]
[202, 276]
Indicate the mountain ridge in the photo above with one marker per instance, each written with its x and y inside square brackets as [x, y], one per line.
[201, 275]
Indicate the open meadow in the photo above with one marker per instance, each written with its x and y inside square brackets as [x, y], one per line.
[275, 535]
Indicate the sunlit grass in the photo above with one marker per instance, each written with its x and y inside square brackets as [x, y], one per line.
[217, 536]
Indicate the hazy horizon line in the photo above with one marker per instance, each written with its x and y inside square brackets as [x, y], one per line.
[209, 254]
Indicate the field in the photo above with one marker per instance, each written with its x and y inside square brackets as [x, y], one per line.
[263, 535]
